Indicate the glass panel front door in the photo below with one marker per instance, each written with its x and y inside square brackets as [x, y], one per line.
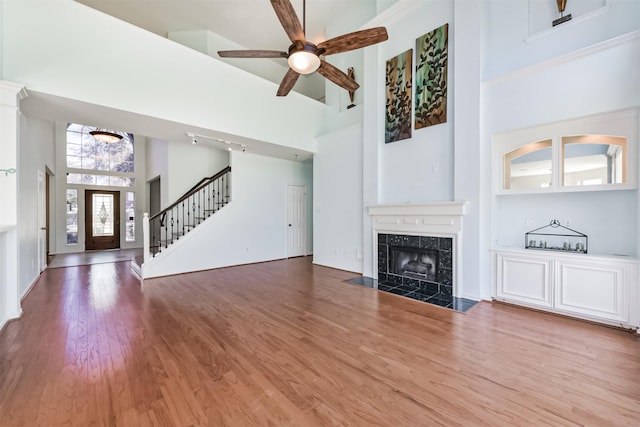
[102, 220]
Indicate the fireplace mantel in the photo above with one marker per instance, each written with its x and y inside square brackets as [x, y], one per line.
[438, 219]
[435, 208]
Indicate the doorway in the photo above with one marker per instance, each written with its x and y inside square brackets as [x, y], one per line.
[102, 220]
[43, 226]
[296, 220]
[154, 196]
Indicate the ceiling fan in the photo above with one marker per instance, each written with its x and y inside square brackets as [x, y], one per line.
[304, 57]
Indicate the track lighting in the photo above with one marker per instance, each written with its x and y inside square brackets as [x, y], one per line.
[194, 140]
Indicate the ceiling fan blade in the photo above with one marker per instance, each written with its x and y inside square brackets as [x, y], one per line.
[288, 18]
[337, 76]
[252, 54]
[355, 40]
[288, 82]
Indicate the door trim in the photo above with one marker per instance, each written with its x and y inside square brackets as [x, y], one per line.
[90, 242]
[305, 225]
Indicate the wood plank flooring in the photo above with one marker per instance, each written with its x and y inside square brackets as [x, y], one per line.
[287, 343]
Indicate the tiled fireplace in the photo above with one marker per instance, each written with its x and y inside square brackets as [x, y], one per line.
[424, 262]
[418, 249]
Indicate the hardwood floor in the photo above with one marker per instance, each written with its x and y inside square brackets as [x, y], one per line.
[287, 343]
[92, 257]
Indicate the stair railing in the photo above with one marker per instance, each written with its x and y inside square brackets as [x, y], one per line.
[194, 207]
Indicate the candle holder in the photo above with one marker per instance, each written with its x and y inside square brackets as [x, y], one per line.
[556, 237]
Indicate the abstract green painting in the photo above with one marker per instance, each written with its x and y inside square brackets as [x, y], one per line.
[431, 78]
[398, 97]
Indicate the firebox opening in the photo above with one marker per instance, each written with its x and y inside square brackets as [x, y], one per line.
[415, 263]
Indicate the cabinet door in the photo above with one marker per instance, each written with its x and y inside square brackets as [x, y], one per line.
[595, 290]
[524, 279]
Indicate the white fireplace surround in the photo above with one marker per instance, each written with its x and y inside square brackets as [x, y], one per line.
[437, 219]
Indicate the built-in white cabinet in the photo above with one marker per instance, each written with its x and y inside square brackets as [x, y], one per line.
[598, 288]
[525, 279]
[581, 174]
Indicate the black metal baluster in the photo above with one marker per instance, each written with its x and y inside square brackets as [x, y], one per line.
[166, 231]
[183, 224]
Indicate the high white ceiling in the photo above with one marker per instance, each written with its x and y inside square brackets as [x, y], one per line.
[249, 23]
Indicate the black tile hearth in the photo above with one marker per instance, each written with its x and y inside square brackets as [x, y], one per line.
[428, 294]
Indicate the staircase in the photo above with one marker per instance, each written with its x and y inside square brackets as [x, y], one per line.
[203, 200]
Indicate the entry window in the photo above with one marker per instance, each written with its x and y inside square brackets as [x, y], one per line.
[130, 212]
[102, 215]
[111, 164]
[102, 180]
[72, 216]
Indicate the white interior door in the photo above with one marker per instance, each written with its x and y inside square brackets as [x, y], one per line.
[296, 220]
[42, 222]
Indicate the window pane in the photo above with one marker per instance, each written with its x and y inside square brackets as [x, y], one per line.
[102, 157]
[74, 138]
[74, 150]
[88, 179]
[123, 167]
[88, 147]
[74, 162]
[74, 178]
[73, 127]
[130, 213]
[121, 181]
[88, 163]
[102, 180]
[72, 216]
[96, 155]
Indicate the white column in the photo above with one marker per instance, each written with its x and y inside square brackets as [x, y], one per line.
[145, 237]
[10, 96]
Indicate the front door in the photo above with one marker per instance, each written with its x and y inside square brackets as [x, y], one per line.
[102, 220]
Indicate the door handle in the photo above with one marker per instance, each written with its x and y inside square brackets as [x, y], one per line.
[43, 228]
[289, 225]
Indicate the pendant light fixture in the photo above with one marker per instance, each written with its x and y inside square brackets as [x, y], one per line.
[105, 136]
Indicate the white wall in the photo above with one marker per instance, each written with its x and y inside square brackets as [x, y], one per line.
[188, 164]
[155, 77]
[609, 218]
[595, 78]
[469, 174]
[9, 134]
[520, 34]
[157, 162]
[453, 161]
[36, 154]
[272, 69]
[418, 169]
[253, 228]
[338, 210]
[438, 163]
[180, 166]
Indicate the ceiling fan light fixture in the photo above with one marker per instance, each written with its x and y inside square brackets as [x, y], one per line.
[105, 136]
[304, 61]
